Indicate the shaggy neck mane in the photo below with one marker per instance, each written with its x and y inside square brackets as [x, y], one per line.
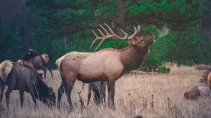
[132, 57]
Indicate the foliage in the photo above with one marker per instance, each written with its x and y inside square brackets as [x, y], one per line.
[11, 47]
[53, 48]
[64, 18]
[181, 47]
[71, 21]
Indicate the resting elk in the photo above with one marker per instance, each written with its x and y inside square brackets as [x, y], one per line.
[105, 65]
[24, 78]
[194, 92]
[36, 61]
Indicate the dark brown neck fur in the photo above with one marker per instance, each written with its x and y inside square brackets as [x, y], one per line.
[132, 57]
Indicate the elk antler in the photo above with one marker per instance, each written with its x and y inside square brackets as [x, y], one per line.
[137, 30]
[107, 36]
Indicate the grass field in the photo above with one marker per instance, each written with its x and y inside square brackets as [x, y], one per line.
[150, 95]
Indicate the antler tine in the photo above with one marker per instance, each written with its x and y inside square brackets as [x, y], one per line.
[107, 36]
[115, 36]
[104, 30]
[126, 35]
[137, 30]
[101, 33]
[97, 37]
[100, 44]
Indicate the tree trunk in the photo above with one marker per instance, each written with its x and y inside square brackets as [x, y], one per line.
[120, 17]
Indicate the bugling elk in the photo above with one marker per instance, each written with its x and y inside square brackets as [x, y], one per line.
[36, 61]
[24, 78]
[105, 65]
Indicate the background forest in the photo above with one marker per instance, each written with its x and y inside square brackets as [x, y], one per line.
[55, 27]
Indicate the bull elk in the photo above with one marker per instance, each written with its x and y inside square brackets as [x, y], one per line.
[105, 65]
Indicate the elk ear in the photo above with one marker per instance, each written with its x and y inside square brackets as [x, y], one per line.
[50, 91]
[134, 40]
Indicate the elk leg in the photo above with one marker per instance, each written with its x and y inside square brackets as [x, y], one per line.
[61, 90]
[49, 70]
[102, 91]
[31, 91]
[44, 70]
[11, 86]
[89, 94]
[68, 93]
[96, 93]
[2, 92]
[21, 92]
[111, 93]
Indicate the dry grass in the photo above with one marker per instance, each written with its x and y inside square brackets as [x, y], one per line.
[149, 95]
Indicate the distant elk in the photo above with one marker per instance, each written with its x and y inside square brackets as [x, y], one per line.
[194, 92]
[98, 89]
[105, 65]
[24, 78]
[36, 61]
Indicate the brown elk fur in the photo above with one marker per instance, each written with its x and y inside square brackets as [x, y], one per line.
[209, 80]
[105, 65]
[45, 58]
[194, 92]
[37, 61]
[20, 61]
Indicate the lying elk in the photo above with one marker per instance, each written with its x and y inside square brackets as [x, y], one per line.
[105, 65]
[98, 89]
[194, 92]
[36, 61]
[24, 78]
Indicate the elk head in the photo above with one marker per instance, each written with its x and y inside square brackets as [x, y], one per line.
[50, 99]
[141, 42]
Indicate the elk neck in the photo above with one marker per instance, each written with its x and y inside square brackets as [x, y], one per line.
[132, 57]
[42, 89]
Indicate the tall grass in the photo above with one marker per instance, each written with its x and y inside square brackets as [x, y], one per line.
[149, 95]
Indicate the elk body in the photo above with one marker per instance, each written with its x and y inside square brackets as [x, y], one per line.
[36, 61]
[98, 89]
[105, 65]
[194, 92]
[24, 78]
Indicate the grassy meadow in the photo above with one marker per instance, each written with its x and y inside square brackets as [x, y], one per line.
[150, 95]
